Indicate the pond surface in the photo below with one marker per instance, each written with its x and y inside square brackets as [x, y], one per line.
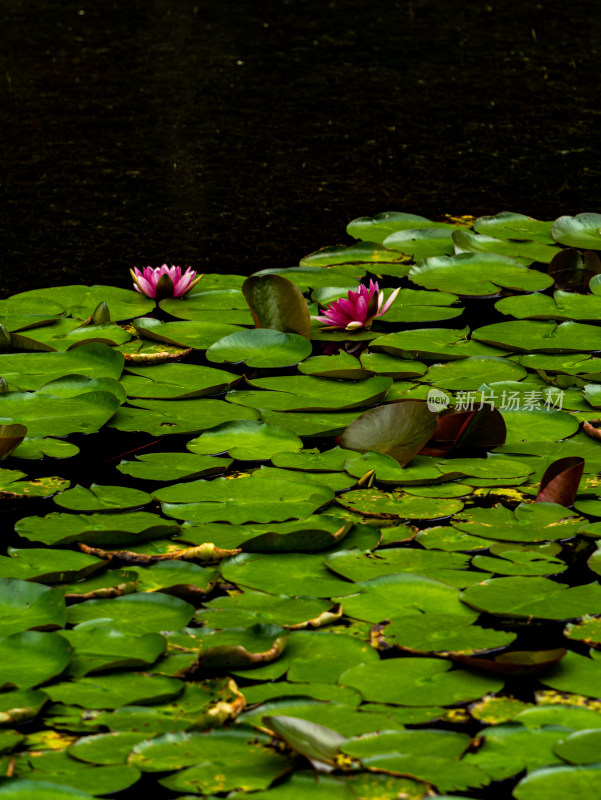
[234, 136]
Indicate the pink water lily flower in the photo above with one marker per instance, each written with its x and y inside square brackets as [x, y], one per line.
[359, 310]
[160, 282]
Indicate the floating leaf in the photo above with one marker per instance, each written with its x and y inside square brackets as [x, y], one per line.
[174, 381]
[30, 658]
[533, 597]
[276, 303]
[102, 498]
[397, 429]
[246, 440]
[475, 274]
[173, 466]
[579, 231]
[509, 225]
[25, 605]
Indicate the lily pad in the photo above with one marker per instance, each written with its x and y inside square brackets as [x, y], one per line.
[102, 498]
[25, 606]
[530, 522]
[136, 613]
[418, 682]
[536, 597]
[560, 782]
[260, 347]
[115, 529]
[173, 466]
[30, 658]
[160, 417]
[509, 225]
[99, 646]
[174, 381]
[246, 440]
[579, 231]
[116, 689]
[477, 274]
[399, 430]
[247, 498]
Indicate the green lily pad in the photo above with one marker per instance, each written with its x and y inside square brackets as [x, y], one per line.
[80, 301]
[519, 561]
[34, 448]
[25, 605]
[579, 231]
[178, 578]
[246, 440]
[173, 466]
[295, 573]
[562, 306]
[377, 503]
[223, 760]
[399, 430]
[46, 415]
[346, 720]
[47, 566]
[160, 417]
[358, 566]
[30, 658]
[580, 747]
[99, 646]
[21, 788]
[561, 783]
[106, 748]
[342, 366]
[250, 607]
[442, 634]
[383, 598]
[393, 367]
[11, 486]
[530, 522]
[174, 381]
[116, 689]
[305, 278]
[360, 253]
[376, 229]
[277, 304]
[20, 705]
[418, 682]
[421, 242]
[101, 498]
[94, 360]
[136, 613]
[199, 334]
[526, 250]
[304, 392]
[509, 749]
[97, 529]
[432, 343]
[260, 347]
[540, 336]
[247, 498]
[309, 423]
[509, 225]
[476, 274]
[587, 629]
[533, 597]
[471, 373]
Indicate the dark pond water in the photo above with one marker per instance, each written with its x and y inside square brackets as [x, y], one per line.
[239, 135]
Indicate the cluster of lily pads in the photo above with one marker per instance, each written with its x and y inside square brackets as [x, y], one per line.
[311, 581]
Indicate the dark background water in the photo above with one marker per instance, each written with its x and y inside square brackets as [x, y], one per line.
[234, 136]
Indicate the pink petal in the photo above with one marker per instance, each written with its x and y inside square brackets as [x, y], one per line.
[361, 310]
[388, 303]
